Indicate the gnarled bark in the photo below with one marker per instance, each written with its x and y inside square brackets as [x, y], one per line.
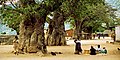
[32, 30]
[32, 35]
[56, 32]
[26, 30]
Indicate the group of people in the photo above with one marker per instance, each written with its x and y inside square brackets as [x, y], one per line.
[93, 51]
[78, 49]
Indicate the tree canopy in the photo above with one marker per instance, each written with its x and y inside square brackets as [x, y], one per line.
[78, 9]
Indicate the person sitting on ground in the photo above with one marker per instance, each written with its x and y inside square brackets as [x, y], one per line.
[104, 50]
[118, 49]
[78, 49]
[92, 51]
[15, 45]
[99, 49]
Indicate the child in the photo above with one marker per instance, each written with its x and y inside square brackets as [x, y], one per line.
[104, 51]
[99, 49]
[15, 45]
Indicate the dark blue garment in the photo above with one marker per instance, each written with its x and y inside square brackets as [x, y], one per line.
[78, 47]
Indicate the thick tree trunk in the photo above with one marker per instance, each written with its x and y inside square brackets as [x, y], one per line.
[39, 29]
[56, 34]
[32, 35]
[26, 30]
[32, 30]
[79, 25]
[90, 32]
[49, 32]
[78, 29]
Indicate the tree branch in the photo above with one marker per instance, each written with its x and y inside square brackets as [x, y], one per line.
[13, 5]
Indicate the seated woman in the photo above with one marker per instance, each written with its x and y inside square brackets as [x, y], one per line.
[92, 51]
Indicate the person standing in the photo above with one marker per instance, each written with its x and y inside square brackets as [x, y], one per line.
[15, 45]
[78, 49]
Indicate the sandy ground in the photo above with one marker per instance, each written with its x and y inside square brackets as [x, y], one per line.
[68, 52]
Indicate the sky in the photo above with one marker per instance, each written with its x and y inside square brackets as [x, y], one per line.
[115, 4]
[4, 28]
[67, 26]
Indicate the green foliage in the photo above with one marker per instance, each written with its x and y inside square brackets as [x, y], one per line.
[102, 14]
[10, 17]
[87, 11]
[27, 8]
[91, 13]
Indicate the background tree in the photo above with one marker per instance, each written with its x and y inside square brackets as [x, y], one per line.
[81, 11]
[115, 7]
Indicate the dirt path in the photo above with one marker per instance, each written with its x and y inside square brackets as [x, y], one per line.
[68, 53]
